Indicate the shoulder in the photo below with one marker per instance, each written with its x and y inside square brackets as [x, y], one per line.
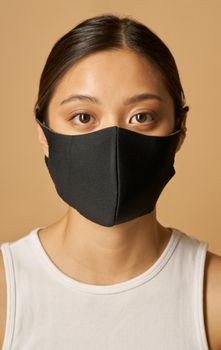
[3, 300]
[212, 299]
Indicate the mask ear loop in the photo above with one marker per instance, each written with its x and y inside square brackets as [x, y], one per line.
[43, 124]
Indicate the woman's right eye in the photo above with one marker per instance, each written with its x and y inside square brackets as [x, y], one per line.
[83, 119]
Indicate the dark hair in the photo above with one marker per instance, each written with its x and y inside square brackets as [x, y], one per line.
[109, 32]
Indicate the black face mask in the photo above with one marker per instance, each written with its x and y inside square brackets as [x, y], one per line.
[112, 175]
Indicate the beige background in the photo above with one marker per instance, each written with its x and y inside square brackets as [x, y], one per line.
[192, 31]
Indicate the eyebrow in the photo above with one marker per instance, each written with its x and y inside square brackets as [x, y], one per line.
[130, 100]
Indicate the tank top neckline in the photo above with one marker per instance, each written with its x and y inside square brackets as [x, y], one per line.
[145, 276]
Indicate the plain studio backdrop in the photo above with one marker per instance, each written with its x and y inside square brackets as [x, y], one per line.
[191, 30]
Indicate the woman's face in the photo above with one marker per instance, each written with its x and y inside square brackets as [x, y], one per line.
[111, 80]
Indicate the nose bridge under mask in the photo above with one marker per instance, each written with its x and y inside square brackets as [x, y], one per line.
[111, 175]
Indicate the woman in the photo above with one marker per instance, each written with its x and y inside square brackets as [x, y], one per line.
[110, 117]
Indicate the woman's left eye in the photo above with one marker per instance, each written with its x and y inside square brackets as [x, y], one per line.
[143, 117]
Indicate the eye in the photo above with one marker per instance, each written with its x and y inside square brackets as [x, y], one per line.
[82, 118]
[144, 117]
[141, 118]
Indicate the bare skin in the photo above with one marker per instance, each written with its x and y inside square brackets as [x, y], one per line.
[80, 248]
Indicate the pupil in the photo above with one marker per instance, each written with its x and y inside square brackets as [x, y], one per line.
[141, 117]
[84, 118]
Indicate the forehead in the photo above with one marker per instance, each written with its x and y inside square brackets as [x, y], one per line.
[115, 72]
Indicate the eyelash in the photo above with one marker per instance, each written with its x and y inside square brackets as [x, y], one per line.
[141, 113]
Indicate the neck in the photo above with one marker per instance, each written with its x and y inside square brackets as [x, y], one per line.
[96, 254]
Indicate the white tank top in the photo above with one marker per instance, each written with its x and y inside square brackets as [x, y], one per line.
[160, 309]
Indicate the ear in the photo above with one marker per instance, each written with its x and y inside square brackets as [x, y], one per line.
[183, 133]
[42, 139]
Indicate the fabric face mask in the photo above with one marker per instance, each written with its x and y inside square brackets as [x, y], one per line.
[112, 175]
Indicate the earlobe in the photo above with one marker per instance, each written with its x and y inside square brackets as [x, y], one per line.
[42, 139]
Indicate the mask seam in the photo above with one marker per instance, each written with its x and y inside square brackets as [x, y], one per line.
[117, 174]
[69, 155]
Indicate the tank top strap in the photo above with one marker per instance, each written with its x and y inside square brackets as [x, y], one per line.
[11, 298]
